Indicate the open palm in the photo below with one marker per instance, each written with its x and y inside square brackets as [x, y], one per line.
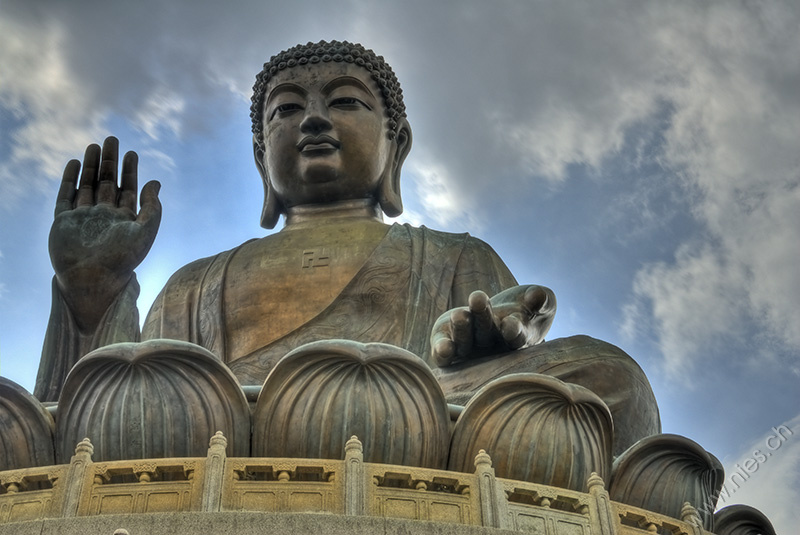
[98, 238]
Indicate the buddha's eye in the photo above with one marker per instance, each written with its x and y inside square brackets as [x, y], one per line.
[347, 102]
[285, 108]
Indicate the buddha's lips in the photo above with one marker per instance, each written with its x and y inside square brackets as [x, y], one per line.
[315, 143]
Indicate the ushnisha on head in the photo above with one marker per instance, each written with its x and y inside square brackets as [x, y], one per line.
[308, 71]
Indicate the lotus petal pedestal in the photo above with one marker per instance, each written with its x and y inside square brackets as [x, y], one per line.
[538, 429]
[159, 398]
[322, 393]
[27, 429]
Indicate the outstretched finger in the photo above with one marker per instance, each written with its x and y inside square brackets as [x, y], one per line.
[130, 181]
[482, 319]
[91, 163]
[443, 349]
[514, 332]
[443, 352]
[107, 176]
[66, 192]
[150, 214]
[535, 299]
[461, 325]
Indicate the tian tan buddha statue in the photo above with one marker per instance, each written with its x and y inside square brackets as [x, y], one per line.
[339, 319]
[329, 138]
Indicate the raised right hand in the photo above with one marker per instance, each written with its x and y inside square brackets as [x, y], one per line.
[97, 238]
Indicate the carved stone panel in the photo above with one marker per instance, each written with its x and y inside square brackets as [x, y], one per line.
[27, 429]
[322, 393]
[536, 428]
[159, 398]
[662, 472]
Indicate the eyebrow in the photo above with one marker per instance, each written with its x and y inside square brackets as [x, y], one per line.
[286, 87]
[346, 80]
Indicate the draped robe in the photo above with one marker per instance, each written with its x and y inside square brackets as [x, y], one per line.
[412, 277]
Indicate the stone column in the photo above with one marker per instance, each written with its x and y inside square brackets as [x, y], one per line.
[601, 512]
[355, 502]
[214, 473]
[690, 515]
[494, 507]
[73, 485]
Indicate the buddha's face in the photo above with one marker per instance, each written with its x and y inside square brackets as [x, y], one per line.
[325, 134]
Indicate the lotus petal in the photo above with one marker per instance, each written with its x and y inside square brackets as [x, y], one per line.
[662, 472]
[322, 393]
[26, 439]
[742, 520]
[160, 398]
[536, 428]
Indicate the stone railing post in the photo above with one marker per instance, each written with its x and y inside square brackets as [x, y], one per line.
[355, 502]
[214, 473]
[601, 512]
[72, 487]
[690, 515]
[494, 506]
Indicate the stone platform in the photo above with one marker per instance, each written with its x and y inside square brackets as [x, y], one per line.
[219, 494]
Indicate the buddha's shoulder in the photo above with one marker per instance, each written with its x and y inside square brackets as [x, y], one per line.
[462, 240]
[200, 269]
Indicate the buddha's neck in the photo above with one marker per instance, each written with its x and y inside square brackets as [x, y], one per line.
[310, 215]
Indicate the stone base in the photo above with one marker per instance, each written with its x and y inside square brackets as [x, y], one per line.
[240, 523]
[220, 494]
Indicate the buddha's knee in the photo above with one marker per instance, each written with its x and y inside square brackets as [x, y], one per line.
[599, 366]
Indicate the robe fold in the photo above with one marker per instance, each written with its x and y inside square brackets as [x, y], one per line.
[412, 277]
[64, 343]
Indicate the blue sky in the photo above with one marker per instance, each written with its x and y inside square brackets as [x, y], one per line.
[639, 158]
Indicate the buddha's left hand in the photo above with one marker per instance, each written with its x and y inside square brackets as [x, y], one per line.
[513, 319]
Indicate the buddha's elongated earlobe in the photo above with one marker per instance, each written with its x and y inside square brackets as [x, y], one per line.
[389, 189]
[272, 210]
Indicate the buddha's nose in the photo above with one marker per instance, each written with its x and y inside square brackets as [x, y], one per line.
[316, 119]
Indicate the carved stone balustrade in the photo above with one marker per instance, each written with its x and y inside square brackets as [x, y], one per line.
[171, 493]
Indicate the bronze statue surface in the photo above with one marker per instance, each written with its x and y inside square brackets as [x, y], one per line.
[330, 138]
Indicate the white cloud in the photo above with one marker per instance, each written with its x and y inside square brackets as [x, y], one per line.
[70, 69]
[56, 118]
[560, 137]
[522, 108]
[159, 159]
[772, 487]
[162, 110]
[690, 304]
[733, 137]
[435, 190]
